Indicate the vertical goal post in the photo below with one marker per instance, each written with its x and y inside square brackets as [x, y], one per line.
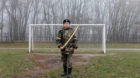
[31, 31]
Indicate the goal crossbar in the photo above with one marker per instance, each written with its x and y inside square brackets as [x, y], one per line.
[70, 24]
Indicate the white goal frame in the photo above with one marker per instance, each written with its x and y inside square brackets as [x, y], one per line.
[31, 42]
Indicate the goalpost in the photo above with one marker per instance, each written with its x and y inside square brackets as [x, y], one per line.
[90, 36]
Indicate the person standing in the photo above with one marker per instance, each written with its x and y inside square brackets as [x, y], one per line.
[62, 37]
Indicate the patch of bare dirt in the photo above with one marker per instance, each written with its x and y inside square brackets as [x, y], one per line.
[46, 62]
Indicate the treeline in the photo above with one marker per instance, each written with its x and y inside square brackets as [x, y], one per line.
[120, 16]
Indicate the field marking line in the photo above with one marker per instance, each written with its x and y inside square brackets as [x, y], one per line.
[79, 48]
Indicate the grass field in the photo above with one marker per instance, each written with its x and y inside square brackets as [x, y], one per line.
[14, 63]
[123, 64]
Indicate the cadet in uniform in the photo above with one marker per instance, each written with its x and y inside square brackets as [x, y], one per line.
[66, 52]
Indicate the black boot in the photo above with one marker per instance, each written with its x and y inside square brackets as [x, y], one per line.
[69, 73]
[65, 71]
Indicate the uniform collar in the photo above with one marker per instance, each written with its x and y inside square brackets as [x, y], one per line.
[66, 28]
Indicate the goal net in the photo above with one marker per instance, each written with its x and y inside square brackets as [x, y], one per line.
[91, 37]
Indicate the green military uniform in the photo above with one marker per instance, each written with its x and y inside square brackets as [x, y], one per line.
[62, 38]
